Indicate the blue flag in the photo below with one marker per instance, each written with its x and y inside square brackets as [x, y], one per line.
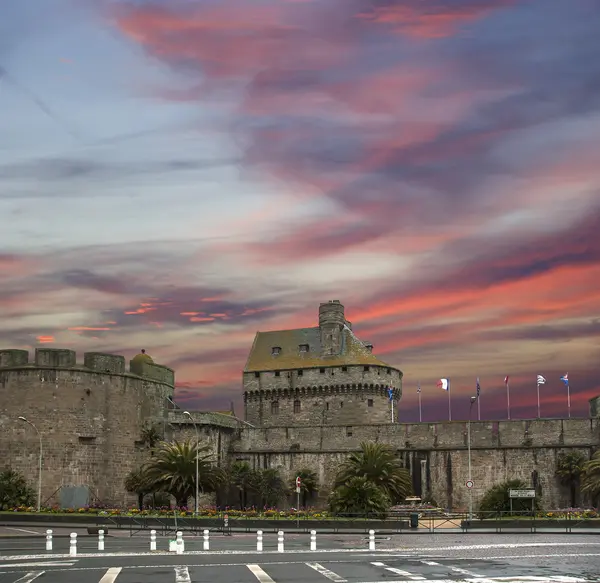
[391, 393]
[565, 379]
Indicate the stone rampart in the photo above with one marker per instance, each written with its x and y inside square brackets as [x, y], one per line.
[435, 453]
[90, 417]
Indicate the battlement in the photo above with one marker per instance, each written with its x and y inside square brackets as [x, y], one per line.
[61, 358]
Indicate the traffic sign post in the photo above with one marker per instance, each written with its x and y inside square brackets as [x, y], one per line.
[298, 485]
[469, 484]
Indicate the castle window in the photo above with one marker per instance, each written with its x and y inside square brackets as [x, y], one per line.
[277, 373]
[366, 369]
[274, 407]
[322, 370]
[348, 431]
[389, 371]
[300, 373]
[369, 402]
[303, 347]
[276, 350]
[341, 404]
[344, 369]
[256, 375]
[327, 406]
[297, 406]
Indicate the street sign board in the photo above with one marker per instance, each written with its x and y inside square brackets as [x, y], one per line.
[469, 484]
[298, 484]
[521, 493]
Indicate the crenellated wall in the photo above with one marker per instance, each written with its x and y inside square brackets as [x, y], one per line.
[332, 395]
[90, 417]
[435, 453]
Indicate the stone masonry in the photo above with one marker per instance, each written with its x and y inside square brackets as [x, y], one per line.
[90, 417]
[318, 376]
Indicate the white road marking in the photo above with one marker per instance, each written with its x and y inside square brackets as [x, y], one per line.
[29, 577]
[111, 575]
[182, 575]
[22, 530]
[557, 579]
[327, 573]
[46, 564]
[260, 574]
[399, 572]
[455, 569]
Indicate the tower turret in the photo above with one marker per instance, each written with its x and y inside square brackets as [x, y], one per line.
[331, 325]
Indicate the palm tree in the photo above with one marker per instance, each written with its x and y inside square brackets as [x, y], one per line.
[268, 486]
[309, 484]
[173, 470]
[590, 478]
[238, 477]
[568, 469]
[378, 464]
[359, 496]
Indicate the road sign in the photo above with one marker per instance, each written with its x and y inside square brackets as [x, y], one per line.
[521, 493]
[469, 484]
[298, 484]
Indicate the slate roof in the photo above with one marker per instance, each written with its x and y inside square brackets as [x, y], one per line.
[352, 352]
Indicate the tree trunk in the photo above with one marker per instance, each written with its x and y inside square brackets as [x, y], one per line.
[140, 501]
[573, 494]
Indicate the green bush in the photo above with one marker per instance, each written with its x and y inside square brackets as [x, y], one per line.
[497, 499]
[14, 490]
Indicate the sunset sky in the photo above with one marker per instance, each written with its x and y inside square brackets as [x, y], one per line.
[178, 174]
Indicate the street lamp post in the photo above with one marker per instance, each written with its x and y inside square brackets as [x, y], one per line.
[473, 399]
[187, 413]
[39, 503]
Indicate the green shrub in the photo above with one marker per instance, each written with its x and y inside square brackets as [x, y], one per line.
[497, 499]
[359, 497]
[14, 490]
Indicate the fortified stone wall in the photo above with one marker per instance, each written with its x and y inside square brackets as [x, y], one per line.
[595, 407]
[345, 395]
[90, 417]
[435, 453]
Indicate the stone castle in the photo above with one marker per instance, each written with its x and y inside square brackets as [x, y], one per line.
[311, 396]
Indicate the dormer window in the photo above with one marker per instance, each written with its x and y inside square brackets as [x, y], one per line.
[276, 350]
[303, 347]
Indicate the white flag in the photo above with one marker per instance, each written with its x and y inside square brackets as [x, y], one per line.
[541, 380]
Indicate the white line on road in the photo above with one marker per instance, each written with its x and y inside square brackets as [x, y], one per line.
[260, 574]
[326, 573]
[46, 564]
[399, 572]
[22, 530]
[455, 569]
[29, 577]
[111, 575]
[182, 575]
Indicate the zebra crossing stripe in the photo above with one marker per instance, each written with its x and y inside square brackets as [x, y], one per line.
[326, 572]
[260, 574]
[111, 575]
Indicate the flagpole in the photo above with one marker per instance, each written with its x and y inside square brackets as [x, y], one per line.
[569, 399]
[478, 408]
[392, 410]
[508, 399]
[449, 403]
[538, 399]
[420, 410]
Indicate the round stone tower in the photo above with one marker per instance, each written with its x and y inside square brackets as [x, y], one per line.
[317, 376]
[90, 417]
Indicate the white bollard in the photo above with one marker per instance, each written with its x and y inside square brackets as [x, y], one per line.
[206, 541]
[179, 543]
[280, 541]
[152, 540]
[259, 540]
[73, 545]
[371, 540]
[313, 540]
[172, 546]
[100, 540]
[48, 540]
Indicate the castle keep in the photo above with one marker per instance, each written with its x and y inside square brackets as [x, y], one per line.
[311, 396]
